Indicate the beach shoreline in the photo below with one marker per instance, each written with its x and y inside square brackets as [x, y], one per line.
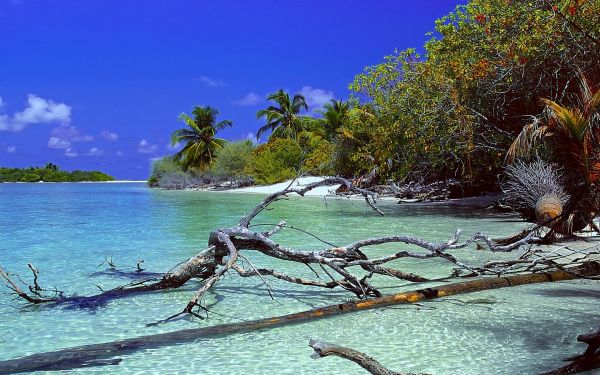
[77, 182]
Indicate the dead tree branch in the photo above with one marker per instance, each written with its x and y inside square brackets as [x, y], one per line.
[348, 267]
[74, 357]
[323, 349]
[589, 360]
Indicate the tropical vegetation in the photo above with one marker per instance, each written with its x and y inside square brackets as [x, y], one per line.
[283, 120]
[50, 173]
[199, 140]
[493, 71]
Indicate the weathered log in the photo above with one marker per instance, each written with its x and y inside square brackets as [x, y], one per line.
[199, 266]
[323, 349]
[87, 354]
[336, 262]
[589, 360]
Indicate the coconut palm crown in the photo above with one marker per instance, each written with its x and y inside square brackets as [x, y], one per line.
[283, 119]
[198, 138]
[335, 116]
[572, 134]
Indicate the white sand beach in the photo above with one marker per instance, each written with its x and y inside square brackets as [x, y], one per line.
[299, 183]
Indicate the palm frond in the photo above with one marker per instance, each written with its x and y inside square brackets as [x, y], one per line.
[269, 127]
[223, 124]
[524, 142]
[188, 121]
[570, 121]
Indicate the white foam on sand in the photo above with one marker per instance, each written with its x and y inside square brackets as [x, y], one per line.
[298, 183]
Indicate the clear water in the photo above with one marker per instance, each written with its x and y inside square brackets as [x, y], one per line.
[67, 230]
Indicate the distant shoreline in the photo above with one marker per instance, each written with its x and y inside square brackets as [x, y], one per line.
[77, 182]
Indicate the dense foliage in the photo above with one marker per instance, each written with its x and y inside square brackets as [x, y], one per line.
[229, 168]
[455, 111]
[233, 159]
[275, 161]
[199, 140]
[449, 114]
[50, 173]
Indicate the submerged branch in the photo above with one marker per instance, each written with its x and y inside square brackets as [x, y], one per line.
[73, 357]
[323, 349]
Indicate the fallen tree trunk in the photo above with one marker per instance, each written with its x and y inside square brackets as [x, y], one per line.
[323, 349]
[336, 263]
[589, 360]
[200, 266]
[96, 354]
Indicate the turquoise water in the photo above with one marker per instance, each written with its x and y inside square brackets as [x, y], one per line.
[67, 230]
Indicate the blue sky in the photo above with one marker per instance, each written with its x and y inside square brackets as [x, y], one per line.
[98, 84]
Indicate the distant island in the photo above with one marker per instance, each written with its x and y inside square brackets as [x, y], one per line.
[50, 173]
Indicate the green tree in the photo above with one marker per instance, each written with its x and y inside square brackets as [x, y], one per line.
[30, 177]
[52, 167]
[233, 158]
[283, 119]
[275, 161]
[335, 115]
[569, 132]
[199, 138]
[455, 111]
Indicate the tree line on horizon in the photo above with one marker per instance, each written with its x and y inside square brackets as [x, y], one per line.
[51, 173]
[493, 71]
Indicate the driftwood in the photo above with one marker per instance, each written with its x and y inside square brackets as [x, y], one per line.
[98, 354]
[589, 360]
[223, 254]
[333, 266]
[199, 265]
[323, 349]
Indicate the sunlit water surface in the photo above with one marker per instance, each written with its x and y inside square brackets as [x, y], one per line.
[67, 230]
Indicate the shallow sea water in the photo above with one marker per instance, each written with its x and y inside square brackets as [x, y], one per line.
[67, 230]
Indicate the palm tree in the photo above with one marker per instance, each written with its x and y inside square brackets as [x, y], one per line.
[199, 138]
[335, 116]
[570, 132]
[283, 119]
[572, 137]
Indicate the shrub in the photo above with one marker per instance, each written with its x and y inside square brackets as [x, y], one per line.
[319, 161]
[275, 161]
[233, 159]
[30, 177]
[163, 167]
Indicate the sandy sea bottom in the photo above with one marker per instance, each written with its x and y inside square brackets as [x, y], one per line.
[67, 230]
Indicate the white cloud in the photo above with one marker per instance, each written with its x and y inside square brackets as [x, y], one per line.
[55, 142]
[43, 111]
[11, 149]
[316, 98]
[249, 99]
[69, 152]
[64, 135]
[172, 147]
[38, 111]
[8, 124]
[211, 82]
[252, 137]
[146, 148]
[1, 102]
[119, 153]
[109, 136]
[95, 152]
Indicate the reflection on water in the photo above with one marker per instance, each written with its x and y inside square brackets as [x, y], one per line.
[67, 230]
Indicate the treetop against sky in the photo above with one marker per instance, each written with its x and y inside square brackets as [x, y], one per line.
[100, 84]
